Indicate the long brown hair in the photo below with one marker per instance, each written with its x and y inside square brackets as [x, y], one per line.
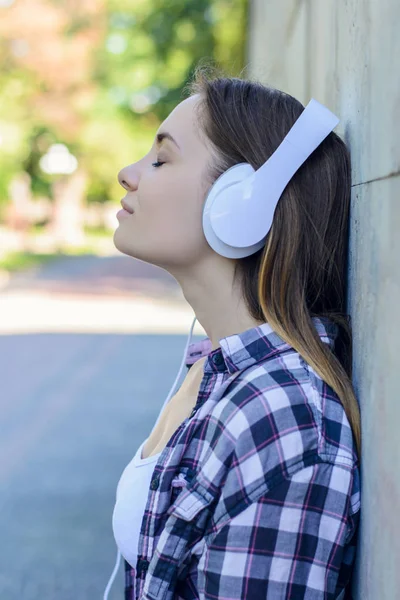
[301, 271]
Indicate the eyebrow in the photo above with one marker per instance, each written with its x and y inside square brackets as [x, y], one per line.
[164, 135]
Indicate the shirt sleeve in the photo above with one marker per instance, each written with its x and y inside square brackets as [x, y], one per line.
[292, 543]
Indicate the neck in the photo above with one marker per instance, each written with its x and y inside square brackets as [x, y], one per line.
[219, 306]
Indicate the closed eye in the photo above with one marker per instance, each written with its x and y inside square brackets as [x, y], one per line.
[157, 164]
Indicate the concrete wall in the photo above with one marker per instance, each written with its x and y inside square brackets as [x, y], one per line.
[346, 54]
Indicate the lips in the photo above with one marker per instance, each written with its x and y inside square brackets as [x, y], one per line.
[127, 207]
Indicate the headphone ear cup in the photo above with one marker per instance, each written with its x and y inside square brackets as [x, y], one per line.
[234, 176]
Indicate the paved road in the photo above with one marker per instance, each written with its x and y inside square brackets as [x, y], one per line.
[74, 407]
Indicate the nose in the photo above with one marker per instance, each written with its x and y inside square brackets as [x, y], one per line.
[128, 178]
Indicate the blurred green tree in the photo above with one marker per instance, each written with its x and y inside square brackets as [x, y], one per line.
[100, 75]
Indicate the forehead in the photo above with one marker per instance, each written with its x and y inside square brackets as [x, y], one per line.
[181, 123]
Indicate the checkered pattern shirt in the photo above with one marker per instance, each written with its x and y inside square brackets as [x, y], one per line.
[256, 495]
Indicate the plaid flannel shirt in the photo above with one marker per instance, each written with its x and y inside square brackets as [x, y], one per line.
[257, 493]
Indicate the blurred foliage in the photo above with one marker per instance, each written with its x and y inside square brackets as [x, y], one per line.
[100, 76]
[21, 260]
[18, 261]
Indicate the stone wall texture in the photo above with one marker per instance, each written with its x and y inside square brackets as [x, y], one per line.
[346, 54]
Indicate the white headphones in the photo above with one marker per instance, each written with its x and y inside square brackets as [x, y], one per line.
[240, 205]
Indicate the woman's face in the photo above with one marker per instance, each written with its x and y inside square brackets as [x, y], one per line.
[165, 228]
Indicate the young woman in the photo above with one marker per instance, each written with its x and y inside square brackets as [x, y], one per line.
[248, 487]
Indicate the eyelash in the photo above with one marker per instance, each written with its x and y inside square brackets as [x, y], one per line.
[157, 164]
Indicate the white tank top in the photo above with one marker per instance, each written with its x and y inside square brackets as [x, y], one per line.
[134, 484]
[131, 497]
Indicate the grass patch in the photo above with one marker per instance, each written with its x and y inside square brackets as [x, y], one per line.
[19, 261]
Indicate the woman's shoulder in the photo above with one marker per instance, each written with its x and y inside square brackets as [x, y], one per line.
[280, 413]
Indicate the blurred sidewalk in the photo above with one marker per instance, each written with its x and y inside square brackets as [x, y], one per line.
[105, 292]
[90, 348]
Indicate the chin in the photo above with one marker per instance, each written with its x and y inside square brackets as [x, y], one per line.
[120, 243]
[124, 245]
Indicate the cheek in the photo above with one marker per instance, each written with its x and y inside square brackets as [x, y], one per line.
[175, 207]
[172, 223]
[175, 228]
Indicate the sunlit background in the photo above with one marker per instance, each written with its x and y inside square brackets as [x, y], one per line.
[84, 85]
[90, 340]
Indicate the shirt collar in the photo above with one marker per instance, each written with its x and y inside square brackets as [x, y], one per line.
[241, 350]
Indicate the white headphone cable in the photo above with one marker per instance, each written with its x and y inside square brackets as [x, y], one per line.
[114, 573]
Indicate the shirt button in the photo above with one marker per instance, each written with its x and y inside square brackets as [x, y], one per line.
[217, 359]
[155, 482]
[193, 413]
